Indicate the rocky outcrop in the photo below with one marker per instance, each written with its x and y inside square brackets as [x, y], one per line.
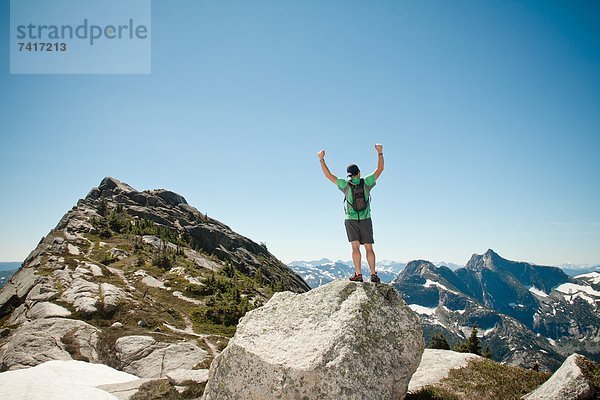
[16, 289]
[340, 341]
[42, 340]
[567, 383]
[112, 297]
[145, 357]
[181, 376]
[435, 366]
[209, 235]
[83, 295]
[124, 390]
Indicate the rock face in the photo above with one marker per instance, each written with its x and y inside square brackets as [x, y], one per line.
[42, 340]
[435, 366]
[181, 376]
[567, 383]
[344, 340]
[171, 210]
[145, 357]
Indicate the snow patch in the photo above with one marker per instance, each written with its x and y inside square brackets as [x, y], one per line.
[571, 288]
[59, 380]
[592, 277]
[487, 331]
[573, 291]
[430, 283]
[537, 291]
[421, 309]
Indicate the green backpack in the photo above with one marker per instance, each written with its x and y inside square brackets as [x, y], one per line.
[358, 197]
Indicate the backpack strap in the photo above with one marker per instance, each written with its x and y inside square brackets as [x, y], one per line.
[350, 184]
[362, 185]
[362, 181]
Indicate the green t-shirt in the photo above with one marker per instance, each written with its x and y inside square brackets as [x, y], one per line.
[342, 184]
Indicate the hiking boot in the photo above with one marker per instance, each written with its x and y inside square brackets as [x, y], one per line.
[375, 278]
[356, 278]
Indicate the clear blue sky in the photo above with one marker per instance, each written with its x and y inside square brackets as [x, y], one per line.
[489, 113]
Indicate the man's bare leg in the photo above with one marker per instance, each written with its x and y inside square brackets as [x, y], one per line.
[370, 257]
[356, 255]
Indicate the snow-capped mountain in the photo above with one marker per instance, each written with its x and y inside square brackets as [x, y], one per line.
[320, 272]
[450, 265]
[7, 269]
[525, 313]
[313, 263]
[578, 269]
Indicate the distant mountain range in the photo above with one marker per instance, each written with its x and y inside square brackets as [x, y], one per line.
[319, 272]
[6, 271]
[525, 313]
[10, 266]
[574, 269]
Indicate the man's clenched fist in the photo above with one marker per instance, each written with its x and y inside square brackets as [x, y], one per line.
[321, 154]
[379, 147]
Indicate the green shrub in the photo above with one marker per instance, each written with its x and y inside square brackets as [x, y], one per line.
[157, 390]
[118, 222]
[162, 260]
[483, 379]
[438, 341]
[108, 259]
[431, 393]
[223, 309]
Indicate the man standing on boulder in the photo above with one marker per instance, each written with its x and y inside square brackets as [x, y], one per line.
[359, 227]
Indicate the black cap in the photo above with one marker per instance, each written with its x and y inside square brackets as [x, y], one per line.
[352, 169]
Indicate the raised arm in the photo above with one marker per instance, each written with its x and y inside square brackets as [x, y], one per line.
[379, 170]
[326, 171]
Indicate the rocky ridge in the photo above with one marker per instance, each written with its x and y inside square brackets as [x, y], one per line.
[135, 280]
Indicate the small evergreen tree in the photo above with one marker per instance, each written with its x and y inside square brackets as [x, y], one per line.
[473, 345]
[102, 206]
[461, 347]
[438, 341]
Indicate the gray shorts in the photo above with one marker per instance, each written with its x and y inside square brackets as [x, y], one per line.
[359, 230]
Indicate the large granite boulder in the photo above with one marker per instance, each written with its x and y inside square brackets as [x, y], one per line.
[344, 340]
[567, 383]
